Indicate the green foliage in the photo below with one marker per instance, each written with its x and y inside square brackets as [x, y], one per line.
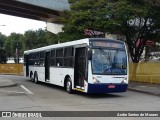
[30, 40]
[137, 20]
[38, 38]
[88, 14]
[12, 42]
[2, 40]
[3, 56]
[50, 38]
[2, 51]
[68, 36]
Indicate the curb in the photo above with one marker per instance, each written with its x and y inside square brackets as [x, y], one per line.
[11, 85]
[6, 83]
[145, 92]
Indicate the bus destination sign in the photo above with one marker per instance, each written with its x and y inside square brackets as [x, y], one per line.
[107, 44]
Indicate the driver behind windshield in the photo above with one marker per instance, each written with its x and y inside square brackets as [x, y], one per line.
[108, 61]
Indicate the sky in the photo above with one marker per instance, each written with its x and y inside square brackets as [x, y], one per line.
[9, 24]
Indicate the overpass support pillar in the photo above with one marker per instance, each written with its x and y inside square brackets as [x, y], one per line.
[54, 28]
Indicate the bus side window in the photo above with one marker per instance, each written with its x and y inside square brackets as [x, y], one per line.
[31, 58]
[37, 59]
[42, 58]
[53, 57]
[59, 57]
[68, 57]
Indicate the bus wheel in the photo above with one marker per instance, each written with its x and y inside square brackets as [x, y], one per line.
[36, 78]
[32, 77]
[69, 86]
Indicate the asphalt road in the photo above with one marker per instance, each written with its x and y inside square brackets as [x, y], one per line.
[28, 96]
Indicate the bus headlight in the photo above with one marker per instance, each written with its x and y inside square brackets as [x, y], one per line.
[95, 80]
[124, 81]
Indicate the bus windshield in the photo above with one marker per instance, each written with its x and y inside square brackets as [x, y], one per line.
[109, 61]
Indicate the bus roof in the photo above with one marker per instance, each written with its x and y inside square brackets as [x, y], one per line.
[71, 43]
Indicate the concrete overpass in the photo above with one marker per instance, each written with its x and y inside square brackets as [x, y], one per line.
[44, 10]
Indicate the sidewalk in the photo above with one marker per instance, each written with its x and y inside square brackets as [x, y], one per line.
[6, 83]
[148, 88]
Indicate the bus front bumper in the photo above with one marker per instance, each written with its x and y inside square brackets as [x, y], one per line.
[107, 88]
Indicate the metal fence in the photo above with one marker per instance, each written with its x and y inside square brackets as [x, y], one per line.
[141, 72]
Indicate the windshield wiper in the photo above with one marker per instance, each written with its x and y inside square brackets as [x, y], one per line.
[107, 56]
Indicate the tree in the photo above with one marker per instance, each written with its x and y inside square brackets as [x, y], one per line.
[14, 42]
[85, 14]
[68, 35]
[50, 38]
[2, 40]
[137, 20]
[8, 47]
[3, 57]
[38, 38]
[153, 2]
[30, 39]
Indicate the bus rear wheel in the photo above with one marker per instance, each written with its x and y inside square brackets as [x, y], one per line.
[69, 86]
[36, 78]
[31, 77]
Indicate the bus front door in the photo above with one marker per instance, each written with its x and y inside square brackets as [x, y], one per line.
[80, 67]
[47, 66]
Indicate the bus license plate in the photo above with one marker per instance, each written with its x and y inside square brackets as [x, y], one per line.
[111, 86]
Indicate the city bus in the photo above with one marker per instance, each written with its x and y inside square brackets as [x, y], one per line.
[90, 65]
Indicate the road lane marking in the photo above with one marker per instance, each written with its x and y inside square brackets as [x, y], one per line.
[28, 91]
[12, 91]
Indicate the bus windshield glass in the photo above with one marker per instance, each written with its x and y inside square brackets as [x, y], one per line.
[109, 61]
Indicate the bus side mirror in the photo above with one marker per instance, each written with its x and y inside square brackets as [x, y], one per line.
[89, 54]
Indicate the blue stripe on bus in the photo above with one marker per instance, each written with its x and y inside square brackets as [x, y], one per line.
[103, 88]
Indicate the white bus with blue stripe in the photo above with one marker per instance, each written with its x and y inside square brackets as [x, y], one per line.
[91, 65]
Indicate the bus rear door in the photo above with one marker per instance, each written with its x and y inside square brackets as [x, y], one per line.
[26, 62]
[47, 66]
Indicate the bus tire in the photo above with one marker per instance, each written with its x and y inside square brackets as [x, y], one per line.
[36, 78]
[31, 77]
[69, 86]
